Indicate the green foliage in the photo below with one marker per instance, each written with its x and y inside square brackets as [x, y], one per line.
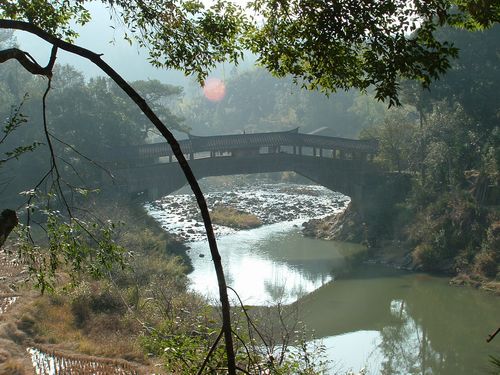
[331, 45]
[305, 357]
[328, 45]
[450, 226]
[471, 81]
[12, 123]
[456, 161]
[449, 154]
[53, 16]
[278, 104]
[88, 120]
[396, 140]
[487, 261]
[184, 341]
[73, 244]
[475, 14]
[185, 35]
[486, 264]
[183, 352]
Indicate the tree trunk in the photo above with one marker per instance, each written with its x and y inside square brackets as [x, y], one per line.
[8, 221]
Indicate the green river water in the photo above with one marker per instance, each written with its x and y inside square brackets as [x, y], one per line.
[386, 320]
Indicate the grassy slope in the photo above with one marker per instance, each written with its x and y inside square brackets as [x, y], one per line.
[94, 318]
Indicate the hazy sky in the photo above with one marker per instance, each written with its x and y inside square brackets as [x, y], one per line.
[100, 37]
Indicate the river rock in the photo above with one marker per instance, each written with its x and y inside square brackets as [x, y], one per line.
[345, 226]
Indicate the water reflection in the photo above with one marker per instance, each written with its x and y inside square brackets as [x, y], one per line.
[391, 322]
[406, 346]
[424, 325]
[267, 265]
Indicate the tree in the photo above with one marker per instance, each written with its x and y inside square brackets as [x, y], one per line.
[396, 140]
[277, 105]
[330, 44]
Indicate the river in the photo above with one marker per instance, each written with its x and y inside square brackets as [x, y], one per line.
[367, 316]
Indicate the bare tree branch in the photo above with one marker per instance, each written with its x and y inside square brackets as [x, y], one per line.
[53, 161]
[28, 62]
[249, 320]
[492, 335]
[90, 160]
[209, 354]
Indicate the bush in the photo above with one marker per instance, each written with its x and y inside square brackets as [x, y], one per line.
[427, 256]
[94, 299]
[485, 264]
[81, 311]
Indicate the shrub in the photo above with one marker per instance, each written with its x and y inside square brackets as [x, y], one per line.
[94, 298]
[80, 309]
[485, 264]
[107, 301]
[426, 255]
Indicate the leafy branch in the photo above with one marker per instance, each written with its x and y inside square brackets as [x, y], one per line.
[16, 120]
[146, 109]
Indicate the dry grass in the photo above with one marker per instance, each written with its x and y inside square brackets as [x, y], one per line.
[492, 286]
[107, 335]
[477, 281]
[13, 357]
[13, 367]
[233, 218]
[86, 330]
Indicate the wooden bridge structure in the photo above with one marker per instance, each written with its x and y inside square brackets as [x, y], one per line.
[341, 164]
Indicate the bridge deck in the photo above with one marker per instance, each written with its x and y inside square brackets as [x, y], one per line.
[337, 163]
[291, 142]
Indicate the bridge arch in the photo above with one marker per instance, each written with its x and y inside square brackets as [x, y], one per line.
[340, 164]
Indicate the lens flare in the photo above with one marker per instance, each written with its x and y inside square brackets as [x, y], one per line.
[214, 89]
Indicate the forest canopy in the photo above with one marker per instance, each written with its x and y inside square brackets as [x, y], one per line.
[326, 45]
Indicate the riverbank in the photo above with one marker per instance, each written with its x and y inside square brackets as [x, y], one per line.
[94, 323]
[358, 311]
[348, 226]
[13, 299]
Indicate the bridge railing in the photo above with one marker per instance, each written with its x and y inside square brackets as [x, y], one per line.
[242, 145]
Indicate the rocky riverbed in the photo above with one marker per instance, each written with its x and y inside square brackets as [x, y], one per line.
[271, 203]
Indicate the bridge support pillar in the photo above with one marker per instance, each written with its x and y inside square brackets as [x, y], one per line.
[152, 193]
[320, 152]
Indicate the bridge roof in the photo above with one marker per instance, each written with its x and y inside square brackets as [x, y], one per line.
[231, 142]
[243, 141]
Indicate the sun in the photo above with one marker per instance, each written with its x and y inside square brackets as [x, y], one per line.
[214, 89]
